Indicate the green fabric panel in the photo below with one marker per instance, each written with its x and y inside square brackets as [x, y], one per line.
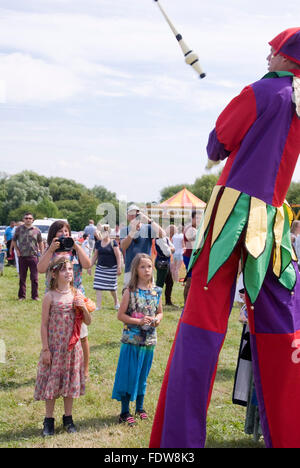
[288, 275]
[255, 269]
[288, 278]
[277, 74]
[229, 236]
[286, 244]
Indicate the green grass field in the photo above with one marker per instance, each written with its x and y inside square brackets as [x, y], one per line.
[96, 414]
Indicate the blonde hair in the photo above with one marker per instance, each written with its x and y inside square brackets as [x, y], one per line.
[295, 225]
[101, 229]
[55, 267]
[132, 286]
[105, 228]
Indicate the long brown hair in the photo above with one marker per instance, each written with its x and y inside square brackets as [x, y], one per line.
[55, 227]
[55, 267]
[134, 270]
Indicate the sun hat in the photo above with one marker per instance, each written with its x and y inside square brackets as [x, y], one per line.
[132, 208]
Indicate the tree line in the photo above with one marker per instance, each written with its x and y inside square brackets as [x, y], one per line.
[57, 197]
[50, 197]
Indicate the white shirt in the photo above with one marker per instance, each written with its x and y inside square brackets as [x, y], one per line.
[165, 246]
[177, 242]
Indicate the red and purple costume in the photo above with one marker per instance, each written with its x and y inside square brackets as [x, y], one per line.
[246, 219]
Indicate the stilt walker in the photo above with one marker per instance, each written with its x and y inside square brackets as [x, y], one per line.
[246, 218]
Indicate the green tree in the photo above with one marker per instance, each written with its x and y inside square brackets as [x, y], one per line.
[24, 188]
[87, 210]
[47, 209]
[3, 196]
[102, 194]
[65, 189]
[203, 186]
[55, 197]
[68, 210]
[18, 213]
[68, 205]
[293, 195]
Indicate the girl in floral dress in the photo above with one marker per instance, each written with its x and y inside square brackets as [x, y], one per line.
[60, 370]
[79, 260]
[141, 312]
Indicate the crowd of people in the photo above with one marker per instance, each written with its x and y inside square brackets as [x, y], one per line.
[139, 249]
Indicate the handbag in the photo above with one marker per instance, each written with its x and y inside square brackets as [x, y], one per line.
[162, 264]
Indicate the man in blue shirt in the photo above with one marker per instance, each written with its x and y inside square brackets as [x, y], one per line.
[8, 236]
[137, 237]
[90, 232]
[90, 228]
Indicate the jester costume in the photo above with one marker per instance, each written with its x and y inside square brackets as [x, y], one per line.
[246, 219]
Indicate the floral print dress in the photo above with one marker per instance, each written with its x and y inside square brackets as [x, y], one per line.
[65, 375]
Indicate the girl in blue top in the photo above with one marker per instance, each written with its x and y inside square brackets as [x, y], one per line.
[141, 312]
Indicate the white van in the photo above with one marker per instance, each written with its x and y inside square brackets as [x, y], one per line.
[44, 225]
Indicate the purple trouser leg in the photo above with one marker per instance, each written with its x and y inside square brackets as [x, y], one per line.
[275, 332]
[194, 363]
[24, 264]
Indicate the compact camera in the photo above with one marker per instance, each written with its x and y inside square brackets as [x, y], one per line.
[65, 244]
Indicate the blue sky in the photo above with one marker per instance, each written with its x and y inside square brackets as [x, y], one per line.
[98, 91]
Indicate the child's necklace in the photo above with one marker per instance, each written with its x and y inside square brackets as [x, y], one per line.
[62, 292]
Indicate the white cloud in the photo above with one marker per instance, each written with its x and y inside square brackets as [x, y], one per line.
[111, 56]
[34, 80]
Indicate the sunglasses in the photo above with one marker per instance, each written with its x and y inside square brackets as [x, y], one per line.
[28, 217]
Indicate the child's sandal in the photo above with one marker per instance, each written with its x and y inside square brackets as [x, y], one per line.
[127, 418]
[142, 414]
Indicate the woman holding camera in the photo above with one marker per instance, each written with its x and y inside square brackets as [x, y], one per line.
[61, 230]
[60, 244]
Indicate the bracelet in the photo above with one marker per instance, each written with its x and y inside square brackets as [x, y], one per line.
[44, 350]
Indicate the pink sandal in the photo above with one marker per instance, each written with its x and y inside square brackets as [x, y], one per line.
[142, 414]
[127, 418]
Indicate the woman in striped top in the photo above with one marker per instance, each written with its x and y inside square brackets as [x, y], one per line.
[108, 257]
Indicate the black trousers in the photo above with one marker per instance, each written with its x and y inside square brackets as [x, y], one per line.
[164, 277]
